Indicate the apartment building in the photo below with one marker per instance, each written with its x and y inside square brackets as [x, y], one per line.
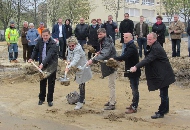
[148, 8]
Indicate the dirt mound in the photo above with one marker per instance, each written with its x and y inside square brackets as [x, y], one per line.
[81, 112]
[181, 69]
[114, 117]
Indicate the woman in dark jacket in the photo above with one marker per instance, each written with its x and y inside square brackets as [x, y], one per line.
[93, 37]
[159, 28]
[68, 28]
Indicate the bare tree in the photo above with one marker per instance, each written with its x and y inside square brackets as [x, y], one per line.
[114, 6]
[7, 12]
[54, 7]
[181, 7]
[74, 9]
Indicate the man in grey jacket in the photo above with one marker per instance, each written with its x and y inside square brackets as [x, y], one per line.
[107, 51]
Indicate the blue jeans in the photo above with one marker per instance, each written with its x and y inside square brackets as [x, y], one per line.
[13, 47]
[189, 45]
[176, 43]
[134, 82]
[123, 48]
[164, 106]
[142, 42]
[82, 42]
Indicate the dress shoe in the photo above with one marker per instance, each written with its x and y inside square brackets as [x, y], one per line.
[40, 102]
[107, 104]
[50, 104]
[130, 111]
[16, 61]
[158, 115]
[110, 107]
[130, 107]
[163, 112]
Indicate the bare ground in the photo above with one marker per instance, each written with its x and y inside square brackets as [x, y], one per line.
[19, 98]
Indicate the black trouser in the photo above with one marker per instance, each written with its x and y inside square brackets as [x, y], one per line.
[51, 85]
[30, 51]
[26, 55]
[82, 92]
[97, 48]
[176, 43]
[164, 106]
[62, 47]
[134, 82]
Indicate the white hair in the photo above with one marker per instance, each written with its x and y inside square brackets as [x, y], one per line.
[25, 22]
[31, 24]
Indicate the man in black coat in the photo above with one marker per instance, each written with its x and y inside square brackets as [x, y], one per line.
[47, 49]
[159, 73]
[126, 26]
[81, 32]
[131, 58]
[93, 37]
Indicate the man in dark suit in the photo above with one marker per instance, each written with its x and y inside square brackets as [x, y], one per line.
[59, 33]
[131, 58]
[126, 26]
[158, 71]
[46, 47]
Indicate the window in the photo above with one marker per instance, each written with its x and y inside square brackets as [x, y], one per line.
[132, 11]
[132, 1]
[148, 13]
[147, 2]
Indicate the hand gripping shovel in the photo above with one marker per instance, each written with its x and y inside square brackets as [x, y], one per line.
[65, 81]
[82, 67]
[42, 74]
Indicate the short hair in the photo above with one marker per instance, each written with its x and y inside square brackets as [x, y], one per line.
[98, 19]
[93, 20]
[154, 35]
[31, 24]
[101, 30]
[141, 16]
[159, 17]
[176, 15]
[25, 22]
[126, 14]
[110, 16]
[72, 39]
[46, 30]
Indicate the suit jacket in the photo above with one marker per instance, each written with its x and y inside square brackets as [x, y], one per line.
[55, 32]
[51, 60]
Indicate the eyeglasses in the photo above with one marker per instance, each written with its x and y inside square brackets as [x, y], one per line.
[71, 46]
